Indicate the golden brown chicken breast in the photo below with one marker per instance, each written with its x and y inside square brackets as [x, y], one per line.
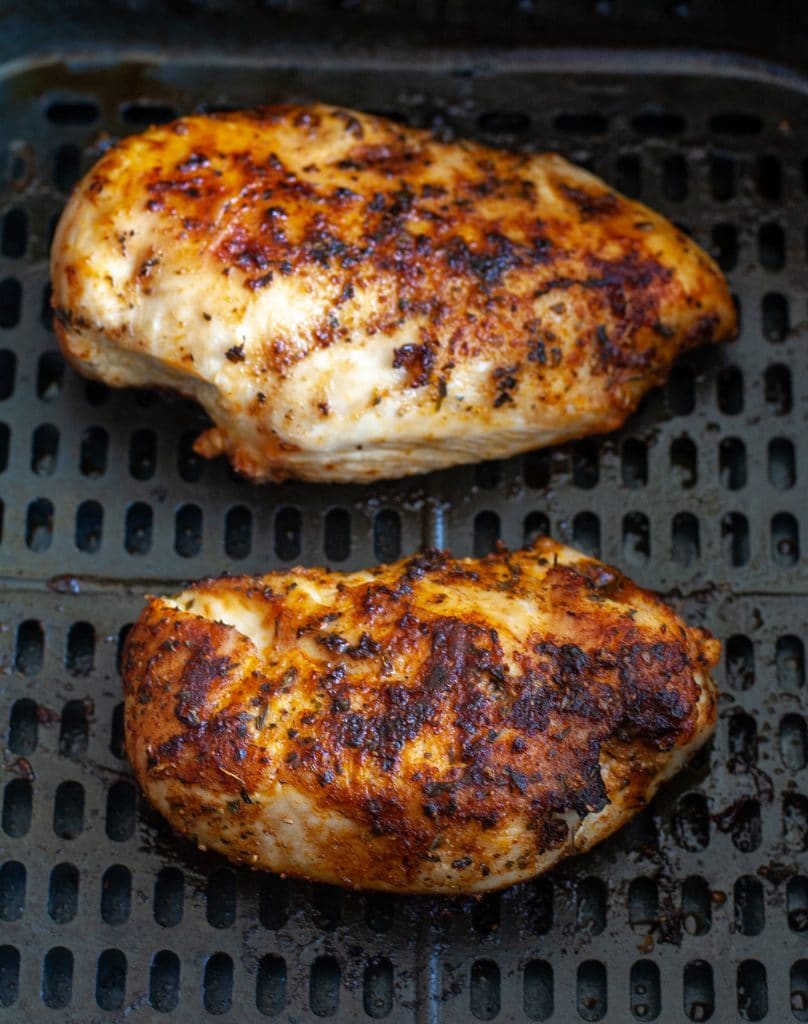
[350, 299]
[436, 725]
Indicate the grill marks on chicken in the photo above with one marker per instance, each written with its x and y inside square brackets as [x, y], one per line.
[434, 725]
[350, 299]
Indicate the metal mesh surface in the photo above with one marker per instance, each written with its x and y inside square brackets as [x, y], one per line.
[698, 909]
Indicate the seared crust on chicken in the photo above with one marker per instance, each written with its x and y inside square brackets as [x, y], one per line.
[436, 725]
[350, 299]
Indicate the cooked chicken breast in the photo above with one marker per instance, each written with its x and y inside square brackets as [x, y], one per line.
[353, 300]
[436, 725]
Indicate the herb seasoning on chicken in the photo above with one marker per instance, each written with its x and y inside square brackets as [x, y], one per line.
[351, 299]
[437, 725]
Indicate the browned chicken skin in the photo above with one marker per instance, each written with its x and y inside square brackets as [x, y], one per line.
[350, 299]
[436, 725]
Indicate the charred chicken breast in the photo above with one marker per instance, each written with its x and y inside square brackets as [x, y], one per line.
[436, 725]
[350, 299]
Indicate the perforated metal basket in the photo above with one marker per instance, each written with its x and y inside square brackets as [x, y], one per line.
[698, 909]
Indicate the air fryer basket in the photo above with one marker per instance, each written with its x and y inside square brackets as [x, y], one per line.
[696, 910]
